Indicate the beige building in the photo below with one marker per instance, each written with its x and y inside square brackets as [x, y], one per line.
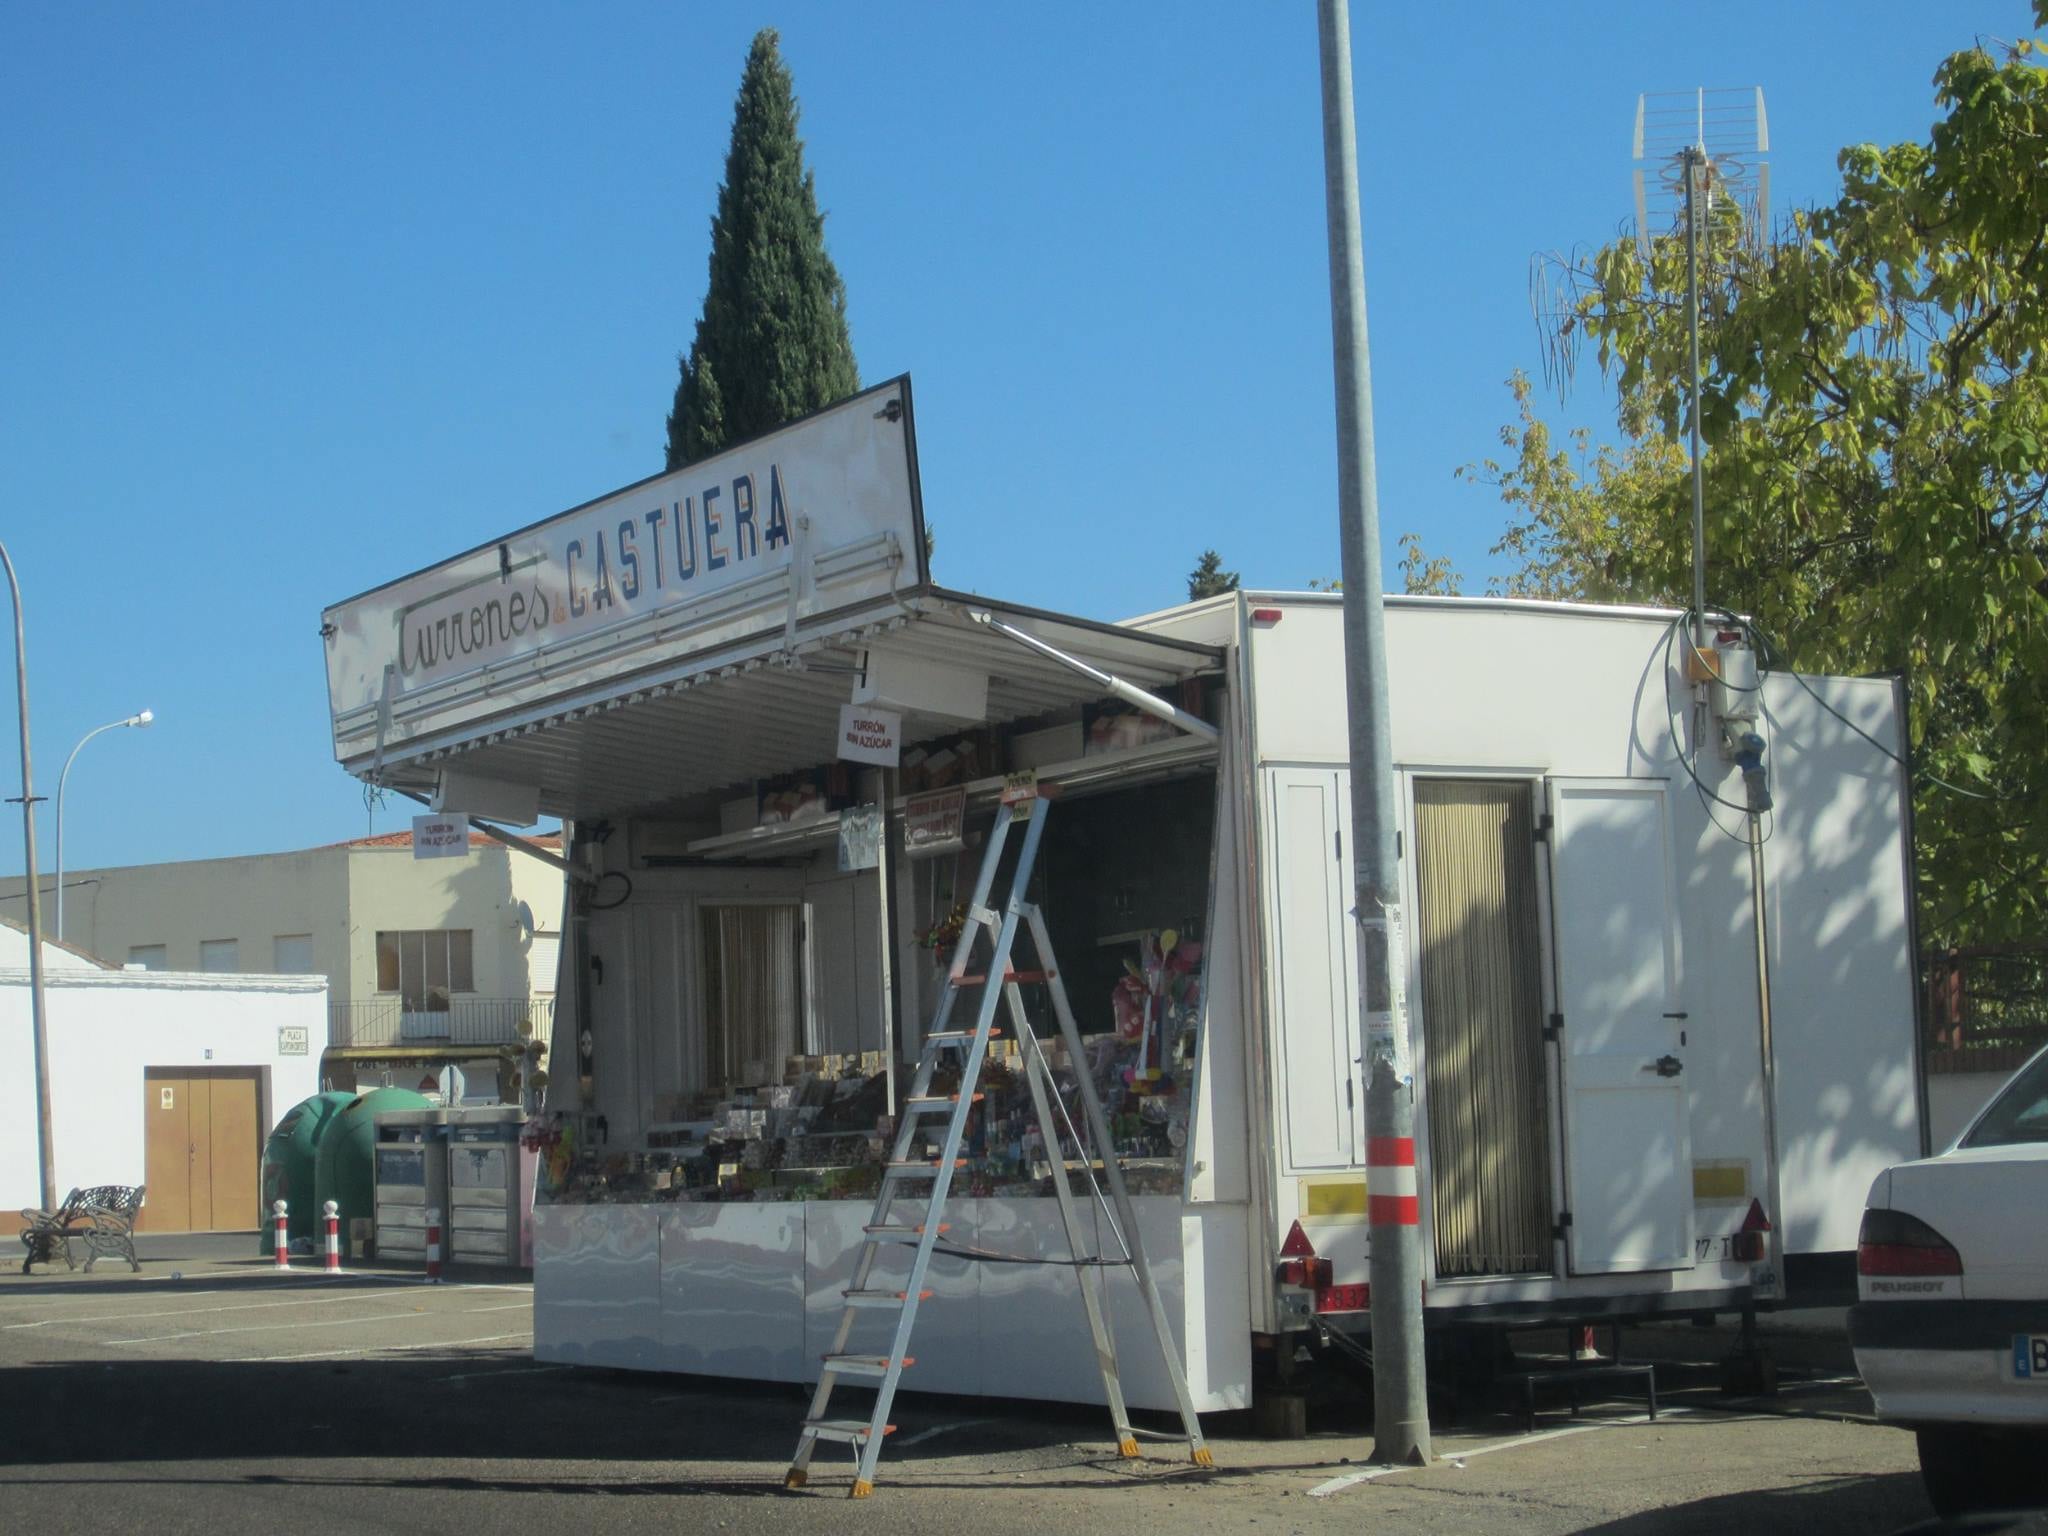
[431, 964]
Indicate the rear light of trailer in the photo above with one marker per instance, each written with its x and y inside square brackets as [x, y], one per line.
[1747, 1245]
[1894, 1243]
[1301, 1269]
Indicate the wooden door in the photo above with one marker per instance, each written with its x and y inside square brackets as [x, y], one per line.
[202, 1139]
[235, 1146]
[166, 1153]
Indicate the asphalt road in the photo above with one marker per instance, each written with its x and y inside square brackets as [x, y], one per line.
[208, 1394]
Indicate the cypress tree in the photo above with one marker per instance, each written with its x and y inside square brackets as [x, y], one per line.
[772, 342]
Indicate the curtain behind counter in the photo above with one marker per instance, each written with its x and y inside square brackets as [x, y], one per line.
[753, 992]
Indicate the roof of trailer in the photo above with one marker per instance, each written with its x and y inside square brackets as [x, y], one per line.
[771, 705]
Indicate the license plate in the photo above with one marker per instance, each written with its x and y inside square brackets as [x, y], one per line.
[2030, 1358]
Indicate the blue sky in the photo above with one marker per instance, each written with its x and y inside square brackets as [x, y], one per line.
[299, 299]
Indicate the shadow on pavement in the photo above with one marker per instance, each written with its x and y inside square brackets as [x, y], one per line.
[1819, 1506]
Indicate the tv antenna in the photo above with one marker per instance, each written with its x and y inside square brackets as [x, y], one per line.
[1700, 167]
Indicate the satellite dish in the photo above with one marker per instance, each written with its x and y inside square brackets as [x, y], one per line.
[522, 914]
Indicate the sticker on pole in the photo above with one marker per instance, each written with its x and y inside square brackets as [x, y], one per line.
[860, 838]
[1384, 953]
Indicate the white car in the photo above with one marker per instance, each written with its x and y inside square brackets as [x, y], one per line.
[1951, 1321]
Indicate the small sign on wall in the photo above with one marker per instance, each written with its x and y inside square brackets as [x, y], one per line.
[440, 837]
[293, 1040]
[870, 735]
[933, 822]
[860, 838]
[164, 1099]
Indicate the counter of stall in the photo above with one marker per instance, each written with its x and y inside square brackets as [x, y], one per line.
[703, 1206]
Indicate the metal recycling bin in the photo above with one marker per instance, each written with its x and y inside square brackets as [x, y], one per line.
[489, 1180]
[465, 1163]
[412, 1179]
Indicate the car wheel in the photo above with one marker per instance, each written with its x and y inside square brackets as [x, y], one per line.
[1968, 1469]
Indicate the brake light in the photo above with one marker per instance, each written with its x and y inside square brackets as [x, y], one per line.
[1747, 1245]
[1894, 1243]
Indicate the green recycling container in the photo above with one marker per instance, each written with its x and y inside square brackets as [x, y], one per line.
[344, 1167]
[288, 1173]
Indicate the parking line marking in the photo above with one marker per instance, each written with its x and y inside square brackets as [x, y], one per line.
[1372, 1474]
[382, 1349]
[338, 1322]
[251, 1306]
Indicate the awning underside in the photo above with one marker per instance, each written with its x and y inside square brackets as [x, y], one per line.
[673, 733]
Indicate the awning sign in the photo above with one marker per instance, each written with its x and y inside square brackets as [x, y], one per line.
[870, 735]
[440, 837]
[933, 822]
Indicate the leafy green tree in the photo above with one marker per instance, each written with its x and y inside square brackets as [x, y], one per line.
[1876, 424]
[772, 342]
[1422, 575]
[1208, 578]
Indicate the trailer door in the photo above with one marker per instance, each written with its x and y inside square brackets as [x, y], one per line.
[1314, 968]
[1628, 1165]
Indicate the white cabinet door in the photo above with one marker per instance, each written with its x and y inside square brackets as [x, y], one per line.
[1315, 1000]
[1628, 1164]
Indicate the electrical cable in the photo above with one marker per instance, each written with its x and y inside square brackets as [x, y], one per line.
[1691, 772]
[1764, 646]
[592, 904]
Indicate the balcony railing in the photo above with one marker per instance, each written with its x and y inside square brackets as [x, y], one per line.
[464, 1021]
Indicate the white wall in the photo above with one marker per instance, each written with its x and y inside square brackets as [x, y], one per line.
[56, 957]
[1538, 691]
[105, 1028]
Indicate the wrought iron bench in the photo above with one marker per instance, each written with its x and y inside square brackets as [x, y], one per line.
[102, 1217]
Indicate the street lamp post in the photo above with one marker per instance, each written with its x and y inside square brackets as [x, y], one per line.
[46, 1153]
[141, 718]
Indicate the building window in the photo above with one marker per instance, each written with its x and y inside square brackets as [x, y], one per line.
[148, 957]
[291, 954]
[219, 955]
[542, 961]
[424, 966]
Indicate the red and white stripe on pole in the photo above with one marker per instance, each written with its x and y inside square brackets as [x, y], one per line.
[277, 1211]
[1390, 1182]
[332, 1213]
[433, 1245]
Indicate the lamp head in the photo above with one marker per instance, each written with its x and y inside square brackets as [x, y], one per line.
[144, 718]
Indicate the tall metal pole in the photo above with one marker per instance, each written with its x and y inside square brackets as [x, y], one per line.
[1400, 1396]
[46, 1153]
[1693, 158]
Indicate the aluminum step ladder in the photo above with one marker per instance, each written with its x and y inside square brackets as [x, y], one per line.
[922, 1226]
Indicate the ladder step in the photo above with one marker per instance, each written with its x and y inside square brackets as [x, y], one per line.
[926, 1103]
[1008, 977]
[862, 1365]
[852, 1431]
[957, 1036]
[901, 1229]
[882, 1298]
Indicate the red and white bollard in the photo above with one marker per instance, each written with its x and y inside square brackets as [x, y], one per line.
[433, 1247]
[333, 1214]
[277, 1210]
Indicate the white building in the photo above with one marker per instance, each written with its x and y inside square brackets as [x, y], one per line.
[431, 965]
[169, 1079]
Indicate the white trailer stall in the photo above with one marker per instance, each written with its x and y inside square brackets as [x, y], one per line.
[1613, 1077]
